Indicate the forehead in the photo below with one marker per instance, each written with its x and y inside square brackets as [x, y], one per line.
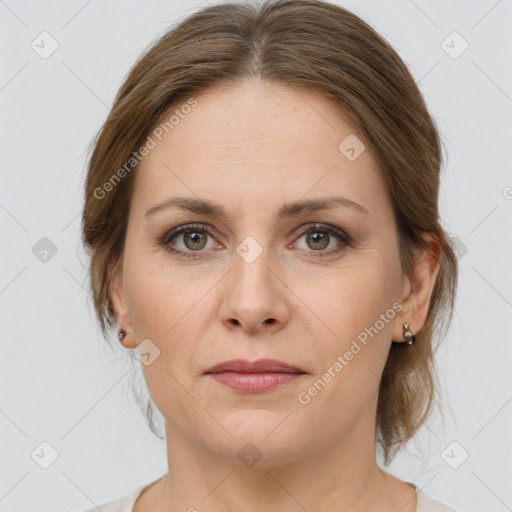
[262, 140]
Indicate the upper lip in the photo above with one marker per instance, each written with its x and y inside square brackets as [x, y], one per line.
[259, 366]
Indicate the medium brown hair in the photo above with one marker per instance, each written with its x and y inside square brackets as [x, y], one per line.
[318, 46]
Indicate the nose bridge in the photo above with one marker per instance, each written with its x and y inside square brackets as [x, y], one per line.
[254, 294]
[251, 267]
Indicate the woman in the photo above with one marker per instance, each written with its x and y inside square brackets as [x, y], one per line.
[261, 215]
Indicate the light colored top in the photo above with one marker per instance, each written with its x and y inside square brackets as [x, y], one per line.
[125, 504]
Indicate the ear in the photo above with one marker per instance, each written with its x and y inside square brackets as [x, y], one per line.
[417, 291]
[120, 304]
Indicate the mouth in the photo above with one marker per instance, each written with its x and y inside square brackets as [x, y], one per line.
[254, 377]
[259, 366]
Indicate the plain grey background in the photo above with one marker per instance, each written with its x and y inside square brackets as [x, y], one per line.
[59, 384]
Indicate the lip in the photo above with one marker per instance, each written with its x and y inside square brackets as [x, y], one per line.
[256, 376]
[259, 366]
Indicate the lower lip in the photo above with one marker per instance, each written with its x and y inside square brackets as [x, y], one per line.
[254, 382]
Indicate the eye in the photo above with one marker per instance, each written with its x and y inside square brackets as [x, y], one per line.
[319, 237]
[194, 239]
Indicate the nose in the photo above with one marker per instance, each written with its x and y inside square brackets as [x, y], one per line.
[254, 296]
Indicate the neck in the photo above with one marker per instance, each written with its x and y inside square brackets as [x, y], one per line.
[341, 477]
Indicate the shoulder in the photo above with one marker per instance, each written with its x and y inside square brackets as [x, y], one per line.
[124, 504]
[426, 504]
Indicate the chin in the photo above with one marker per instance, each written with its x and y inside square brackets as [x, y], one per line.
[258, 437]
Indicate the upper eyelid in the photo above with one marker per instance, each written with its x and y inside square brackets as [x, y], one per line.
[208, 227]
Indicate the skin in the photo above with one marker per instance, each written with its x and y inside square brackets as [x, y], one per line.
[253, 148]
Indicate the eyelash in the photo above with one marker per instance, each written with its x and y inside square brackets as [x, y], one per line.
[331, 230]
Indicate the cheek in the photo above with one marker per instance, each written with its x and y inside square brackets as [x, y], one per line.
[148, 299]
[154, 296]
[358, 309]
[163, 313]
[357, 306]
[350, 299]
[165, 307]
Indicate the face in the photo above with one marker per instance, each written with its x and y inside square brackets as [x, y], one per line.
[305, 287]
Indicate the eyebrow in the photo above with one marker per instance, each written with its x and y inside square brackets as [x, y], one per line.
[290, 209]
